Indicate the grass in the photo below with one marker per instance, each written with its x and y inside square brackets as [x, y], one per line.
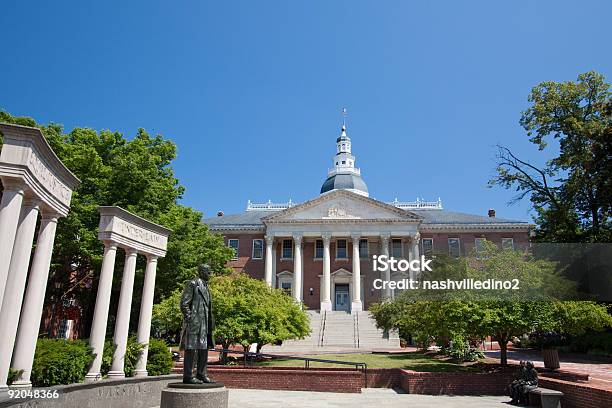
[410, 361]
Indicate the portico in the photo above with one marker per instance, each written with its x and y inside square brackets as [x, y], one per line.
[37, 186]
[121, 229]
[337, 218]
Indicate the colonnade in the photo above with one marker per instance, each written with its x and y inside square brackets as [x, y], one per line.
[120, 229]
[37, 189]
[326, 301]
[100, 318]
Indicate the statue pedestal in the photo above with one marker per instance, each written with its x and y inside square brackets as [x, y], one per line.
[179, 395]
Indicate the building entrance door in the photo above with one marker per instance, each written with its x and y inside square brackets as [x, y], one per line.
[342, 298]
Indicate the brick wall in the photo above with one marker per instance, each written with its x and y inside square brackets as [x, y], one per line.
[289, 379]
[579, 395]
[455, 383]
[384, 377]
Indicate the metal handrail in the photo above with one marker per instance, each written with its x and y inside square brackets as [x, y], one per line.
[359, 366]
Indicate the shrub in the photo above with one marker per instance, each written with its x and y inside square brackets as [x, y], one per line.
[132, 353]
[107, 357]
[159, 361]
[60, 361]
[460, 350]
[13, 375]
[593, 343]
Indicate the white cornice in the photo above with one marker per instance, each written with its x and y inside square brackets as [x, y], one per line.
[407, 215]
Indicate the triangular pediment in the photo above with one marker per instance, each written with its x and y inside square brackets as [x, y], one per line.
[342, 205]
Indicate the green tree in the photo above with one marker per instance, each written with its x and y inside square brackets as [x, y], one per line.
[502, 314]
[246, 311]
[572, 193]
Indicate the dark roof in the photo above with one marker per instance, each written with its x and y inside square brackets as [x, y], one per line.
[344, 181]
[451, 217]
[245, 220]
[252, 219]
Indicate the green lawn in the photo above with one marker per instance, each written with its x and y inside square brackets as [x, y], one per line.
[409, 361]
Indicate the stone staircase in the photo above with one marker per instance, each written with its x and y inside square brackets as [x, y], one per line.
[338, 331]
[370, 337]
[312, 341]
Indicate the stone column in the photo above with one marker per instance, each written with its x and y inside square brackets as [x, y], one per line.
[326, 304]
[144, 321]
[384, 243]
[356, 305]
[274, 284]
[269, 259]
[10, 208]
[297, 268]
[122, 324]
[100, 317]
[15, 285]
[27, 334]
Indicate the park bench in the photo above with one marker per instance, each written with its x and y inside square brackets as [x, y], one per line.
[545, 398]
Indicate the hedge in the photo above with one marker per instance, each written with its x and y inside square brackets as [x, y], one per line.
[61, 361]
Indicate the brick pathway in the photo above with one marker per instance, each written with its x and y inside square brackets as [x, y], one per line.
[598, 371]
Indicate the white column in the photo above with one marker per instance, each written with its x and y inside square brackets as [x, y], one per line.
[356, 305]
[15, 285]
[144, 320]
[297, 268]
[414, 250]
[27, 334]
[100, 317]
[274, 284]
[10, 208]
[326, 303]
[122, 323]
[269, 260]
[384, 242]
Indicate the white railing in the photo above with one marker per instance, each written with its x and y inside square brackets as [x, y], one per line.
[269, 206]
[419, 203]
[406, 205]
[340, 169]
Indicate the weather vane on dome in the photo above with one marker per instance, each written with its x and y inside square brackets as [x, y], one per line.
[344, 115]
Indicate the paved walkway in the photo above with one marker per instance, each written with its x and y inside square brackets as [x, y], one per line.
[370, 397]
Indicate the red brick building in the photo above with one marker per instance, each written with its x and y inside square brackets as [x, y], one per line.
[321, 250]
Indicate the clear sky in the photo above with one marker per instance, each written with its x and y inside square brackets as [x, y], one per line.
[251, 91]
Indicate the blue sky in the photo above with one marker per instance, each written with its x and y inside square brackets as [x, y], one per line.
[251, 91]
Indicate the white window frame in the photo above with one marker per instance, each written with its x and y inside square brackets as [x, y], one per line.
[261, 248]
[458, 246]
[476, 240]
[229, 244]
[423, 245]
[401, 255]
[511, 243]
[345, 249]
[364, 254]
[318, 258]
[283, 249]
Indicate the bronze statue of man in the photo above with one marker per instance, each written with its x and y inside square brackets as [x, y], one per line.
[198, 325]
